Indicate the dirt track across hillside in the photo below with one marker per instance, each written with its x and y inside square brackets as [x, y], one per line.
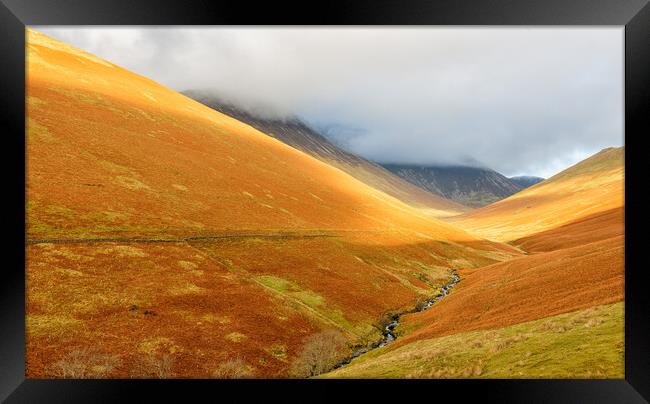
[169, 240]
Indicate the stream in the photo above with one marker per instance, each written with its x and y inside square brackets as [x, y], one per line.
[389, 331]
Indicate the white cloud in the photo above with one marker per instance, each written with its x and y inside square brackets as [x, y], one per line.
[519, 100]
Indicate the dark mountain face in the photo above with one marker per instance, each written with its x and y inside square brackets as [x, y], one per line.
[297, 134]
[525, 181]
[469, 186]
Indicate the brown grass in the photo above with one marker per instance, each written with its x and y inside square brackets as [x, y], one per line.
[590, 229]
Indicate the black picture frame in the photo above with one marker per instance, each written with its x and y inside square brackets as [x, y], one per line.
[16, 14]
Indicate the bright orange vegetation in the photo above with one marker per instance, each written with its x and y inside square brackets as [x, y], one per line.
[590, 187]
[113, 154]
[572, 266]
[132, 301]
[596, 227]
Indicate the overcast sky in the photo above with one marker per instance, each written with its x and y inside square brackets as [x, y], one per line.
[519, 100]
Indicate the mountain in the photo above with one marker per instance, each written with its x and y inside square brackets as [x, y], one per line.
[563, 299]
[299, 135]
[525, 181]
[470, 186]
[167, 239]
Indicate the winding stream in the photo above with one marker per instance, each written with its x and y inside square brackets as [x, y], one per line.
[389, 331]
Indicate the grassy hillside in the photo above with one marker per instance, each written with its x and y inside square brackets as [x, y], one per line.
[166, 239]
[163, 235]
[582, 344]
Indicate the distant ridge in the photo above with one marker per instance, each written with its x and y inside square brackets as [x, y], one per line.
[470, 186]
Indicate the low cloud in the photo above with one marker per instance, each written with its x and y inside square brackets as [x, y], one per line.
[519, 100]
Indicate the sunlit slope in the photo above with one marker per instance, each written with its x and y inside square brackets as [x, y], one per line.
[110, 152]
[146, 308]
[593, 186]
[223, 243]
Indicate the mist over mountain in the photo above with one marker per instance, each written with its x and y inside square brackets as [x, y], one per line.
[468, 183]
[295, 132]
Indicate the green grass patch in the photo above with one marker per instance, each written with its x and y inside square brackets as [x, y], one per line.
[315, 302]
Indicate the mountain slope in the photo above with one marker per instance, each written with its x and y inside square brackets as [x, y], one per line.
[174, 237]
[470, 186]
[589, 229]
[297, 134]
[592, 186]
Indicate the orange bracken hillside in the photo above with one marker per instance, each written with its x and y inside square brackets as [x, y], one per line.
[590, 187]
[596, 227]
[526, 289]
[171, 165]
[177, 240]
[574, 235]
